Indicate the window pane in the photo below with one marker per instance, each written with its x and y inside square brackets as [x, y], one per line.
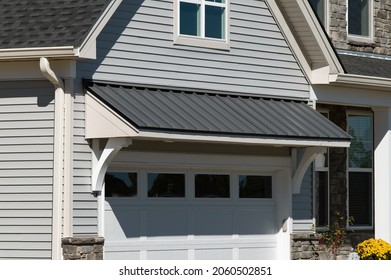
[214, 22]
[360, 151]
[216, 1]
[255, 186]
[321, 198]
[120, 184]
[319, 8]
[210, 185]
[360, 198]
[358, 17]
[166, 185]
[189, 19]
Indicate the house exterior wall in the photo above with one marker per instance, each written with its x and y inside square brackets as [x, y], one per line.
[85, 206]
[381, 41]
[137, 47]
[26, 169]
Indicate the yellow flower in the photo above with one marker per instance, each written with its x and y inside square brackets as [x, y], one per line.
[374, 249]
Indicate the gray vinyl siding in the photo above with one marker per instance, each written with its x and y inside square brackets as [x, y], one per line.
[137, 47]
[26, 169]
[85, 204]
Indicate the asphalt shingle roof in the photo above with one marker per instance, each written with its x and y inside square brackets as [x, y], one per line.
[217, 114]
[366, 66]
[50, 23]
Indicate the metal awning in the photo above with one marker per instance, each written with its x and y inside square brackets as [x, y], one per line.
[199, 116]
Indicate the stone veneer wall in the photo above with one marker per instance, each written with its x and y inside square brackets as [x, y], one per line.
[83, 248]
[306, 246]
[381, 42]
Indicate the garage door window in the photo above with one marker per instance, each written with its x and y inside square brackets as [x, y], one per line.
[121, 184]
[255, 186]
[166, 185]
[212, 186]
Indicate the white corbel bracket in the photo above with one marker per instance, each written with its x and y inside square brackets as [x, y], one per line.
[309, 155]
[113, 146]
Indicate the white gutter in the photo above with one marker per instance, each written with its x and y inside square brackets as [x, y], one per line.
[34, 53]
[58, 156]
[363, 81]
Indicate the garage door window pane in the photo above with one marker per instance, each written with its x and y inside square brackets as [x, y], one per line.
[166, 185]
[211, 185]
[255, 186]
[120, 184]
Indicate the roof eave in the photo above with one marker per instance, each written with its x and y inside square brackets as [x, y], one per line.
[35, 53]
[360, 81]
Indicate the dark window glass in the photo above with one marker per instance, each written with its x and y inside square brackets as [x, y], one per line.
[214, 22]
[211, 185]
[166, 185]
[189, 19]
[360, 198]
[358, 17]
[120, 184]
[361, 147]
[255, 186]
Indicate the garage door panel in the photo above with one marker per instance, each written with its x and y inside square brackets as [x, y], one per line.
[167, 255]
[244, 221]
[166, 222]
[261, 253]
[212, 222]
[123, 222]
[213, 254]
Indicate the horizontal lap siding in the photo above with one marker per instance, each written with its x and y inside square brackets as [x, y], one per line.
[84, 203]
[140, 50]
[26, 169]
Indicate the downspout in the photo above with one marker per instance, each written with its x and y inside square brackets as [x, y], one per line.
[59, 100]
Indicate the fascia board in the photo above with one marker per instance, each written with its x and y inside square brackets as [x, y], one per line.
[34, 53]
[89, 43]
[164, 136]
[361, 81]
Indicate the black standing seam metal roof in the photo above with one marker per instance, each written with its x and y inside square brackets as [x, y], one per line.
[214, 114]
[47, 23]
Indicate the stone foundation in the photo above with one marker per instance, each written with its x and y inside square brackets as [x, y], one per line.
[83, 248]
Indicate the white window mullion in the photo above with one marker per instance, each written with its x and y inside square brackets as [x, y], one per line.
[202, 19]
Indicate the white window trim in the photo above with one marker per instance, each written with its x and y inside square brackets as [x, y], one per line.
[368, 38]
[187, 40]
[322, 169]
[354, 169]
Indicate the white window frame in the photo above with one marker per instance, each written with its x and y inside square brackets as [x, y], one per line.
[368, 38]
[353, 169]
[201, 41]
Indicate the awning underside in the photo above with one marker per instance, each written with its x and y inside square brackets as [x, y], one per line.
[220, 115]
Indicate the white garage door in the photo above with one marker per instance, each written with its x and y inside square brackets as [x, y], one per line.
[189, 215]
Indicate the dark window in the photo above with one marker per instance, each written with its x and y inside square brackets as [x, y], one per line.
[120, 184]
[360, 198]
[211, 185]
[166, 185]
[255, 186]
[358, 17]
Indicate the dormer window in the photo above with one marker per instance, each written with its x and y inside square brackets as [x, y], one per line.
[360, 18]
[202, 23]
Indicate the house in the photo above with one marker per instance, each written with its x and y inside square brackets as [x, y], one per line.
[180, 129]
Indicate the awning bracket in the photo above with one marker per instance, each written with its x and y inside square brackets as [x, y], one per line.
[309, 155]
[113, 146]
